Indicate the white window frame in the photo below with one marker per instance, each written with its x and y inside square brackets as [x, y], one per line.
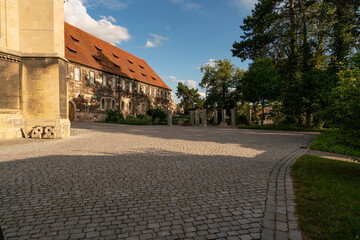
[130, 86]
[144, 89]
[77, 74]
[104, 80]
[155, 92]
[113, 82]
[150, 91]
[92, 77]
[123, 85]
[138, 88]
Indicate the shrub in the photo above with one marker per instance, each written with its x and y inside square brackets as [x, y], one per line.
[141, 116]
[157, 115]
[241, 119]
[113, 116]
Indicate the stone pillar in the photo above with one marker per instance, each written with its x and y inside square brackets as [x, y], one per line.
[249, 116]
[169, 118]
[197, 117]
[216, 120]
[233, 118]
[192, 117]
[203, 118]
[223, 114]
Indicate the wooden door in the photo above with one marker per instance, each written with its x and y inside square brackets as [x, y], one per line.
[71, 111]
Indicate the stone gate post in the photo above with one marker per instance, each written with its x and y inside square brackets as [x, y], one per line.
[192, 117]
[233, 118]
[203, 118]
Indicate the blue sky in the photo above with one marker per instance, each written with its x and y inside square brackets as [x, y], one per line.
[175, 37]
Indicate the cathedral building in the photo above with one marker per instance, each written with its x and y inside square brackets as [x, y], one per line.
[52, 72]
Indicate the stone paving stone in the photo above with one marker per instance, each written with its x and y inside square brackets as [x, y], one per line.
[138, 182]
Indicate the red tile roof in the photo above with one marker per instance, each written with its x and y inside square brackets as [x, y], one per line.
[85, 49]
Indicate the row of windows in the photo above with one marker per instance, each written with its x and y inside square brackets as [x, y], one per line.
[140, 89]
[111, 104]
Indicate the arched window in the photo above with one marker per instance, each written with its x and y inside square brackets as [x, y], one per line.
[103, 104]
[113, 104]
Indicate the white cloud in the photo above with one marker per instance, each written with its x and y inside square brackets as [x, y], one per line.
[243, 4]
[186, 4]
[189, 83]
[210, 63]
[202, 94]
[76, 14]
[155, 41]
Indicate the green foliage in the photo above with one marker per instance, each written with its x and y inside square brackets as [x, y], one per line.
[281, 127]
[157, 115]
[190, 98]
[241, 119]
[221, 82]
[141, 116]
[113, 116]
[338, 141]
[261, 83]
[327, 198]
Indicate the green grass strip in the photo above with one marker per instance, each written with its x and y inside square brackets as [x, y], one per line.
[327, 197]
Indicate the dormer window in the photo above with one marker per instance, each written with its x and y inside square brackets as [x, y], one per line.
[144, 75]
[115, 56]
[117, 66]
[74, 39]
[132, 71]
[130, 61]
[100, 50]
[141, 67]
[97, 59]
[72, 51]
[153, 78]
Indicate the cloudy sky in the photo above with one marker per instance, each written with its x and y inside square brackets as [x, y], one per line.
[175, 37]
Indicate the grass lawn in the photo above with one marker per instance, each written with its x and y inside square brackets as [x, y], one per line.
[336, 141]
[327, 198]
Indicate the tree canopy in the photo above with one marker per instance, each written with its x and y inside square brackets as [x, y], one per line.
[190, 98]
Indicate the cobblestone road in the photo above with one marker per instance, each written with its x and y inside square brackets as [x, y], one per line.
[140, 182]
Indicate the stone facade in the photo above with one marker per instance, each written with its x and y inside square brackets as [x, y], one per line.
[90, 98]
[32, 69]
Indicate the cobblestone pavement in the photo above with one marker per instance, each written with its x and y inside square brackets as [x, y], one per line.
[140, 182]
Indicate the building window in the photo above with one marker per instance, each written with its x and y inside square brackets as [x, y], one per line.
[72, 51]
[103, 104]
[97, 59]
[117, 66]
[74, 39]
[141, 66]
[150, 91]
[122, 105]
[114, 82]
[144, 74]
[76, 74]
[138, 88]
[130, 86]
[130, 106]
[104, 79]
[123, 85]
[144, 89]
[115, 56]
[92, 77]
[130, 61]
[99, 49]
[155, 92]
[113, 104]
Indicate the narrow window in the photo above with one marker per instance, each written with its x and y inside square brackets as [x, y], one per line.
[113, 104]
[117, 66]
[144, 89]
[153, 78]
[150, 91]
[132, 71]
[114, 82]
[130, 86]
[154, 91]
[74, 39]
[144, 74]
[102, 105]
[97, 59]
[130, 61]
[141, 67]
[92, 77]
[76, 74]
[104, 78]
[123, 85]
[115, 56]
[72, 51]
[138, 88]
[100, 50]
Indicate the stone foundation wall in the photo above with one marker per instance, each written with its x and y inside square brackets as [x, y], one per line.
[11, 122]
